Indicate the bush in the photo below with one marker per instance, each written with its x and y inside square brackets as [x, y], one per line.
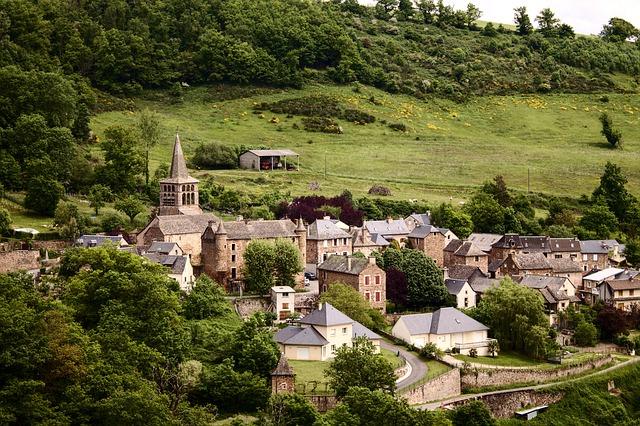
[379, 190]
[321, 124]
[399, 127]
[215, 156]
[586, 334]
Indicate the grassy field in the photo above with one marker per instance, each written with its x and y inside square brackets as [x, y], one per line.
[447, 152]
[514, 359]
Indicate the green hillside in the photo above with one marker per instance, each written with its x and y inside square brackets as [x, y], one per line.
[448, 149]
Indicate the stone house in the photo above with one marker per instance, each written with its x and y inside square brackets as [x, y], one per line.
[180, 219]
[362, 274]
[459, 252]
[171, 256]
[224, 244]
[525, 264]
[595, 253]
[283, 301]
[447, 328]
[283, 378]
[319, 334]
[566, 267]
[589, 290]
[565, 248]
[20, 260]
[95, 240]
[389, 229]
[623, 294]
[484, 241]
[429, 240]
[324, 238]
[463, 292]
[364, 242]
[417, 219]
[558, 293]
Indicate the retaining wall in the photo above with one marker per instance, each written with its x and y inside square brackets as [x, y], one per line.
[444, 386]
[504, 405]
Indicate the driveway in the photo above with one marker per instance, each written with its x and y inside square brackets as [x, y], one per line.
[418, 368]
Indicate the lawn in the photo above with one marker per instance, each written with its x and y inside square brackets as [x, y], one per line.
[309, 371]
[391, 357]
[447, 152]
[504, 359]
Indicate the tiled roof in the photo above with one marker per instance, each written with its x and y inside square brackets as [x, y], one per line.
[92, 240]
[283, 368]
[624, 284]
[535, 244]
[421, 218]
[564, 244]
[603, 274]
[178, 172]
[469, 249]
[482, 284]
[247, 230]
[340, 263]
[300, 336]
[597, 246]
[177, 264]
[360, 330]
[495, 265]
[325, 229]
[564, 265]
[421, 231]
[271, 152]
[387, 227]
[541, 281]
[463, 272]
[484, 241]
[453, 246]
[183, 224]
[454, 286]
[442, 321]
[325, 316]
[530, 261]
[163, 247]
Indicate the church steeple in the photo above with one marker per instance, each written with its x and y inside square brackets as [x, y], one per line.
[179, 192]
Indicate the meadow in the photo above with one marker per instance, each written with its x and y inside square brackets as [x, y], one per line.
[548, 143]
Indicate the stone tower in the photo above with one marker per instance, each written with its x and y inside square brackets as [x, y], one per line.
[301, 232]
[283, 378]
[214, 251]
[179, 192]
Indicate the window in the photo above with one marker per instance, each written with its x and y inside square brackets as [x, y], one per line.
[367, 295]
[333, 332]
[477, 258]
[557, 256]
[367, 280]
[584, 268]
[233, 257]
[595, 257]
[333, 348]
[630, 292]
[585, 257]
[233, 246]
[344, 330]
[285, 306]
[466, 302]
[335, 242]
[233, 273]
[377, 279]
[377, 296]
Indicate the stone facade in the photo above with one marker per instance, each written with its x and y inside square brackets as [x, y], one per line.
[319, 250]
[504, 405]
[19, 260]
[431, 245]
[444, 386]
[370, 282]
[505, 376]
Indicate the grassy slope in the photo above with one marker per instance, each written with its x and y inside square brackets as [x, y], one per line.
[555, 136]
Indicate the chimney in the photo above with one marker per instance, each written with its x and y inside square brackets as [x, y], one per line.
[372, 260]
[445, 273]
[348, 262]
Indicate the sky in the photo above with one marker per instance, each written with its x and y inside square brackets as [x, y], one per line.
[585, 16]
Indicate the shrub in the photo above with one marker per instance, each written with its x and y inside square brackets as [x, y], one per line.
[399, 127]
[379, 190]
[473, 353]
[215, 156]
[321, 124]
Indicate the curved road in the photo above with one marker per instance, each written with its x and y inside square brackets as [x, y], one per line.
[438, 404]
[418, 368]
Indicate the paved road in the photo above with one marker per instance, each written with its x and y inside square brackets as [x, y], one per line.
[438, 404]
[418, 368]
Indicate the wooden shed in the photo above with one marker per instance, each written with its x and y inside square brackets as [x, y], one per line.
[270, 159]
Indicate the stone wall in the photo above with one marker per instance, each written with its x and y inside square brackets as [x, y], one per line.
[323, 403]
[499, 377]
[504, 405]
[444, 386]
[19, 260]
[56, 245]
[247, 306]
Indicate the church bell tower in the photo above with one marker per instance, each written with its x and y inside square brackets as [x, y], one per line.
[179, 192]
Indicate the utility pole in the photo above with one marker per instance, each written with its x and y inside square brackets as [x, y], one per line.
[325, 165]
[528, 180]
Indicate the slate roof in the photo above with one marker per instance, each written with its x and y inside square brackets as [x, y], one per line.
[454, 286]
[183, 224]
[624, 284]
[163, 247]
[530, 261]
[541, 281]
[339, 263]
[564, 265]
[508, 241]
[484, 241]
[293, 335]
[256, 229]
[463, 272]
[384, 227]
[597, 246]
[362, 238]
[564, 244]
[421, 218]
[453, 246]
[177, 264]
[327, 315]
[442, 321]
[495, 265]
[482, 284]
[360, 330]
[91, 240]
[535, 244]
[282, 289]
[283, 368]
[271, 152]
[178, 172]
[325, 229]
[421, 231]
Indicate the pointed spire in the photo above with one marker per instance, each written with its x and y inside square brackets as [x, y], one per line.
[221, 229]
[300, 226]
[178, 164]
[283, 368]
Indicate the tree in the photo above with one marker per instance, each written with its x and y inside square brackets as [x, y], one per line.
[515, 316]
[360, 366]
[350, 302]
[612, 322]
[486, 213]
[131, 206]
[613, 191]
[397, 290]
[123, 162]
[494, 347]
[259, 262]
[600, 220]
[424, 280]
[498, 190]
[149, 128]
[632, 252]
[206, 300]
[472, 14]
[585, 334]
[613, 136]
[459, 222]
[98, 197]
[474, 413]
[286, 262]
[43, 195]
[5, 222]
[618, 30]
[385, 8]
[291, 409]
[523, 22]
[69, 221]
[406, 10]
[427, 9]
[253, 348]
[547, 22]
[566, 31]
[80, 129]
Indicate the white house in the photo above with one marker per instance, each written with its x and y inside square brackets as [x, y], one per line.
[462, 290]
[170, 255]
[448, 328]
[319, 334]
[283, 301]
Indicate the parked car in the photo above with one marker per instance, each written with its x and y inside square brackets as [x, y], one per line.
[310, 275]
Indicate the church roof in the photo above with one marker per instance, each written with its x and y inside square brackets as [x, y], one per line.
[179, 172]
[183, 224]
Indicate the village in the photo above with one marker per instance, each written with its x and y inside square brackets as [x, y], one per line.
[437, 353]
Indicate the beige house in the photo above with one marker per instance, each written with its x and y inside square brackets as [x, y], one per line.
[324, 238]
[171, 256]
[429, 240]
[283, 301]
[269, 159]
[319, 334]
[558, 293]
[447, 328]
[622, 294]
[366, 243]
[463, 292]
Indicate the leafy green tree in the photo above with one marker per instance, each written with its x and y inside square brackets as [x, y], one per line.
[360, 366]
[123, 162]
[566, 31]
[632, 252]
[70, 222]
[498, 190]
[489, 30]
[547, 22]
[80, 129]
[493, 347]
[9, 171]
[43, 195]
[385, 9]
[350, 302]
[424, 280]
[406, 10]
[291, 409]
[115, 221]
[427, 9]
[286, 262]
[254, 349]
[585, 334]
[512, 312]
[98, 196]
[474, 413]
[613, 191]
[618, 30]
[600, 220]
[130, 205]
[613, 136]
[206, 300]
[459, 222]
[259, 260]
[5, 222]
[472, 14]
[522, 21]
[148, 126]
[486, 213]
